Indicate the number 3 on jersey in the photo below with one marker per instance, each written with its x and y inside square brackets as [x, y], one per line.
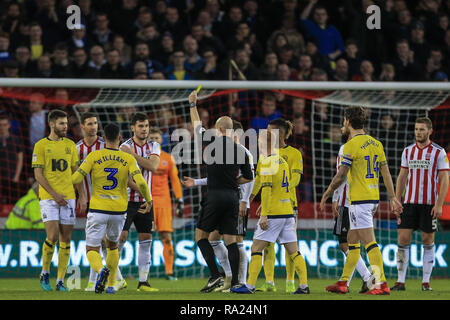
[376, 169]
[285, 182]
[112, 172]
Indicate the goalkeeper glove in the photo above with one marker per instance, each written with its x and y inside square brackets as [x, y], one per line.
[180, 207]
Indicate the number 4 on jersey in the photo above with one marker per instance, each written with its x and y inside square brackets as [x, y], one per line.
[376, 169]
[285, 182]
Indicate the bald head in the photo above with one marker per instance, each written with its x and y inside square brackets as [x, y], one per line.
[223, 124]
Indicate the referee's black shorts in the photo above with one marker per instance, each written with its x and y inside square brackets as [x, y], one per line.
[220, 212]
[142, 222]
[342, 225]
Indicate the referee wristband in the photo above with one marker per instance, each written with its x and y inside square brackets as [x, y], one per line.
[192, 104]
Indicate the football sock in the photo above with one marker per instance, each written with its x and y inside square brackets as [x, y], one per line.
[144, 259]
[300, 267]
[221, 253]
[243, 264]
[351, 276]
[269, 262]
[290, 268]
[376, 261]
[208, 254]
[168, 255]
[112, 262]
[354, 253]
[95, 260]
[254, 268]
[362, 269]
[234, 257]
[92, 275]
[47, 254]
[63, 259]
[402, 262]
[120, 245]
[428, 261]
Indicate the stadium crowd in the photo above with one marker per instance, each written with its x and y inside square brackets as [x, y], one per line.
[287, 40]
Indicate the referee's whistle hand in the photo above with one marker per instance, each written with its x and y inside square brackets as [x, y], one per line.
[193, 97]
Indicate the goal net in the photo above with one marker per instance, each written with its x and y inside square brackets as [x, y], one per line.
[315, 109]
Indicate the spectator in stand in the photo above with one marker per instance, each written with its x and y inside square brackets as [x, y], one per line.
[151, 36]
[405, 65]
[194, 62]
[97, 58]
[176, 70]
[79, 39]
[289, 30]
[210, 69]
[38, 119]
[79, 67]
[328, 37]
[341, 73]
[142, 53]
[302, 140]
[268, 112]
[11, 21]
[283, 72]
[4, 47]
[44, 68]
[230, 23]
[61, 61]
[318, 60]
[255, 20]
[53, 25]
[276, 42]
[139, 69]
[11, 69]
[144, 18]
[87, 13]
[402, 28]
[124, 115]
[174, 24]
[124, 49]
[167, 49]
[352, 56]
[269, 68]
[11, 162]
[244, 64]
[206, 41]
[36, 45]
[102, 35]
[23, 58]
[286, 56]
[418, 44]
[160, 8]
[305, 69]
[298, 107]
[216, 15]
[158, 75]
[319, 75]
[204, 117]
[366, 72]
[387, 72]
[113, 69]
[244, 35]
[204, 19]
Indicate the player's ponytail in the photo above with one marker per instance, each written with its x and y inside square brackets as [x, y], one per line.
[289, 129]
[283, 124]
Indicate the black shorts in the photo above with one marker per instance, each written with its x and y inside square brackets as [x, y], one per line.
[418, 216]
[242, 225]
[142, 222]
[220, 212]
[342, 225]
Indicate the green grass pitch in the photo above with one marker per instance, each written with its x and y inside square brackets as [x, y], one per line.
[188, 289]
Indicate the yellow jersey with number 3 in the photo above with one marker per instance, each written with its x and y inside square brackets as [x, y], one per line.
[365, 156]
[109, 169]
[56, 158]
[275, 193]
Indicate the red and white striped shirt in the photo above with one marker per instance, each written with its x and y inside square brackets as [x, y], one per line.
[341, 194]
[423, 165]
[83, 151]
[145, 151]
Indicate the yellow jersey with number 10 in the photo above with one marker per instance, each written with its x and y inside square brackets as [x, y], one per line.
[365, 156]
[56, 158]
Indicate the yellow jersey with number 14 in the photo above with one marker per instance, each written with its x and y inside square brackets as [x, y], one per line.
[56, 158]
[365, 156]
[109, 170]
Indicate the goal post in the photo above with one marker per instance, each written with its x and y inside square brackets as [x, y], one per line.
[315, 109]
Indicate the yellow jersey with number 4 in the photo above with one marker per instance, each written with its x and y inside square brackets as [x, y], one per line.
[275, 194]
[56, 158]
[109, 169]
[365, 156]
[294, 159]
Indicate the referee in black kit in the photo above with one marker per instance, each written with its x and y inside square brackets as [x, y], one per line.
[221, 208]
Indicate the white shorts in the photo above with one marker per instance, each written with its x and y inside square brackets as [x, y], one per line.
[361, 215]
[51, 211]
[99, 224]
[281, 230]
